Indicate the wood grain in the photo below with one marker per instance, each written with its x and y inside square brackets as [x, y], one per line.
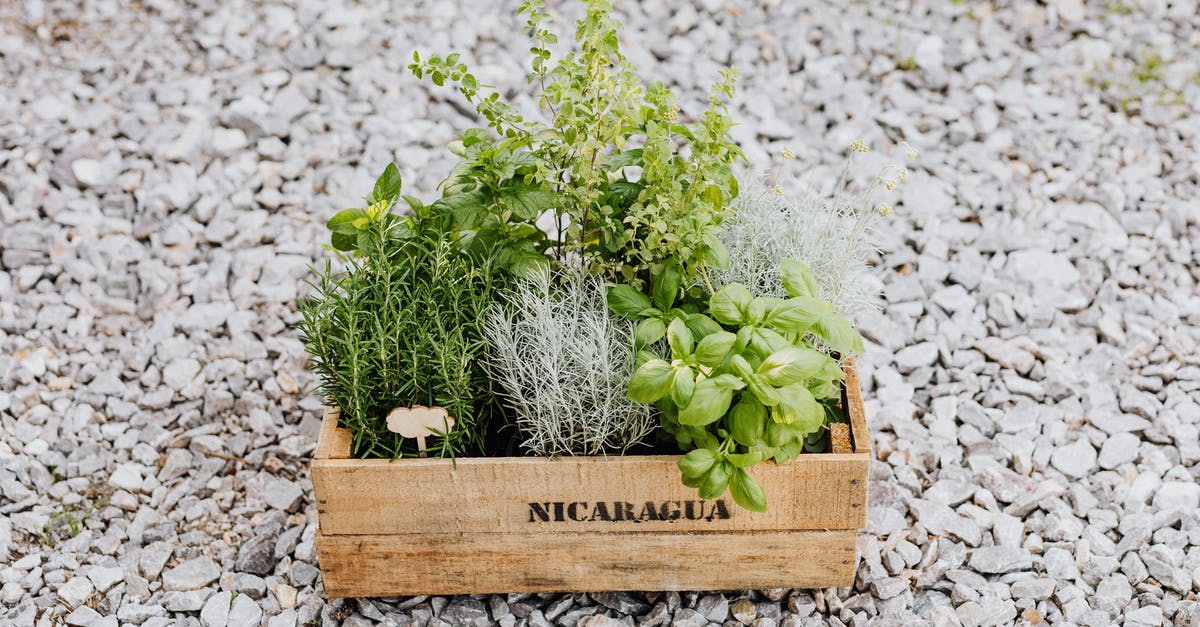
[432, 563]
[610, 494]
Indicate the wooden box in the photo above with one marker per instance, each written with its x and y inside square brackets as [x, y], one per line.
[528, 524]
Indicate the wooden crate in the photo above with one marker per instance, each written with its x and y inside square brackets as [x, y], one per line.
[524, 524]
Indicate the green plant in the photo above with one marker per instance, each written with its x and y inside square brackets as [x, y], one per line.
[743, 384]
[632, 189]
[65, 523]
[563, 362]
[829, 235]
[402, 324]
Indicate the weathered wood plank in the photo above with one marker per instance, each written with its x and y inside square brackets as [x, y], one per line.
[858, 415]
[332, 442]
[411, 564]
[578, 494]
[616, 494]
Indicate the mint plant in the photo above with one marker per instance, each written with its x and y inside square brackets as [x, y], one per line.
[743, 383]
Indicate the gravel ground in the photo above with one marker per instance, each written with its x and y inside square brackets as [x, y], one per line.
[1034, 374]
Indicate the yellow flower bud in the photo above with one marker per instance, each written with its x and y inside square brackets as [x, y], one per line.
[885, 210]
[859, 146]
[778, 190]
[788, 155]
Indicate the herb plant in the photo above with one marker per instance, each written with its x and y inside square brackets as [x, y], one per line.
[632, 189]
[829, 235]
[402, 324]
[562, 363]
[743, 384]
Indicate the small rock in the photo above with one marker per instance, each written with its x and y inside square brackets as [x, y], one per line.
[743, 611]
[216, 611]
[75, 591]
[244, 611]
[1120, 448]
[87, 172]
[283, 495]
[1076, 460]
[257, 555]
[1000, 559]
[191, 575]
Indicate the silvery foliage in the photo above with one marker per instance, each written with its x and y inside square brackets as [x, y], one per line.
[562, 362]
[830, 236]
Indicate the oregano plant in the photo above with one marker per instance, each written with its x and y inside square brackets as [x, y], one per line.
[633, 190]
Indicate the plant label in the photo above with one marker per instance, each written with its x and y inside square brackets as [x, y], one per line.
[419, 422]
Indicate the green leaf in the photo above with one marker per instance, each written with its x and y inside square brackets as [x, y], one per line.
[344, 221]
[716, 480]
[730, 304]
[623, 159]
[798, 314]
[627, 301]
[701, 325]
[711, 350]
[343, 241]
[684, 386]
[625, 193]
[716, 255]
[651, 381]
[747, 491]
[466, 208]
[793, 364]
[666, 287]
[744, 460]
[387, 186]
[798, 279]
[838, 334]
[697, 463]
[798, 409]
[709, 403]
[526, 202]
[680, 339]
[747, 420]
[648, 332]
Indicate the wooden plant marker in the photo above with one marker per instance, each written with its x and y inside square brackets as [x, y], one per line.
[419, 422]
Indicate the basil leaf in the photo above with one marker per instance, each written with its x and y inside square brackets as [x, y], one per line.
[387, 186]
[648, 331]
[798, 279]
[651, 381]
[730, 304]
[697, 463]
[711, 350]
[716, 480]
[838, 334]
[709, 402]
[746, 421]
[798, 409]
[793, 364]
[680, 339]
[666, 288]
[684, 386]
[627, 301]
[747, 491]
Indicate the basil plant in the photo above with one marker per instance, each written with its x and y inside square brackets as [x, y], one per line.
[744, 383]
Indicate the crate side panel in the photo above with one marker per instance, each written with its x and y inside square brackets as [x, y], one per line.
[412, 564]
[577, 495]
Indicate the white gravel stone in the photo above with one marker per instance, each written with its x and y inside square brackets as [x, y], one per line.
[1039, 314]
[1121, 448]
[1076, 460]
[75, 591]
[191, 575]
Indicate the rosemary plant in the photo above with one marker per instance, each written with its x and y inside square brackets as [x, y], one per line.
[402, 325]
